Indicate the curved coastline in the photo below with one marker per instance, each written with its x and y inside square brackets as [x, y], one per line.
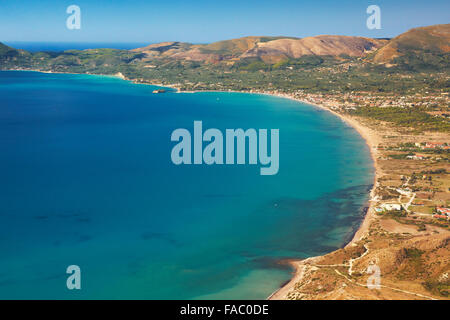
[370, 137]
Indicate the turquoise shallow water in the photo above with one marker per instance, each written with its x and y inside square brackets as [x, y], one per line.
[86, 179]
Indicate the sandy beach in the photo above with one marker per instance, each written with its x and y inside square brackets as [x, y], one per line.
[372, 139]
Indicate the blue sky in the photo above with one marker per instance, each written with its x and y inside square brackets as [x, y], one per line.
[200, 21]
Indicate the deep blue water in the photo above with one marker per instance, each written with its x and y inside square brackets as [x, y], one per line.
[86, 179]
[62, 46]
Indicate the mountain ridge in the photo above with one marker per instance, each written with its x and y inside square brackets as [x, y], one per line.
[268, 49]
[422, 48]
[430, 39]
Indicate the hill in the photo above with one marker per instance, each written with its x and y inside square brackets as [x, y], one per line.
[268, 49]
[324, 45]
[212, 52]
[6, 51]
[237, 46]
[417, 48]
[164, 48]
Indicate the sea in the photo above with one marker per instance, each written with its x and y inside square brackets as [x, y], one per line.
[86, 179]
[36, 46]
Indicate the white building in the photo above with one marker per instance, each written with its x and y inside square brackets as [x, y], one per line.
[391, 206]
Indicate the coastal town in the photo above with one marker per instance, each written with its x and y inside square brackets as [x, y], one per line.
[408, 217]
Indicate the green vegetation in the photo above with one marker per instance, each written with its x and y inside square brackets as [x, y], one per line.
[413, 253]
[437, 171]
[395, 214]
[6, 51]
[306, 61]
[414, 266]
[438, 287]
[423, 61]
[399, 156]
[405, 117]
[235, 46]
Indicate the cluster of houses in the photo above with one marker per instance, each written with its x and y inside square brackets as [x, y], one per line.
[428, 146]
[433, 145]
[416, 157]
[442, 213]
[350, 100]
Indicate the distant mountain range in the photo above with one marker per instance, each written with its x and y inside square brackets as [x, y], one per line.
[432, 40]
[268, 49]
[424, 47]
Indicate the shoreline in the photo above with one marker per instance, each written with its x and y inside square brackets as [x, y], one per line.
[370, 137]
[116, 75]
